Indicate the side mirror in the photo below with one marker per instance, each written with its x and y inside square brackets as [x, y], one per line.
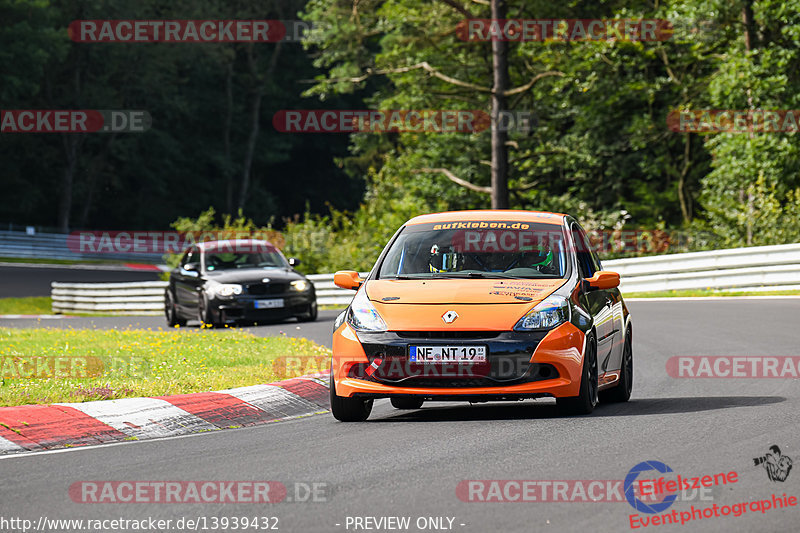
[604, 279]
[293, 262]
[347, 279]
[191, 267]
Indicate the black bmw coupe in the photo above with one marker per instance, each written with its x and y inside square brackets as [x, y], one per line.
[233, 281]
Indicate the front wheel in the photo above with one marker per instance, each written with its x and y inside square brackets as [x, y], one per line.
[585, 402]
[310, 315]
[349, 409]
[204, 314]
[622, 391]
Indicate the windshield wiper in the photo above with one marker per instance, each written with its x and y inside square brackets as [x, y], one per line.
[484, 275]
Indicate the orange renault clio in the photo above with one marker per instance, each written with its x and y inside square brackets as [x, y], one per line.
[478, 306]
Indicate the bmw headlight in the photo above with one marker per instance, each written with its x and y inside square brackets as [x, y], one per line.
[362, 316]
[300, 285]
[226, 290]
[549, 313]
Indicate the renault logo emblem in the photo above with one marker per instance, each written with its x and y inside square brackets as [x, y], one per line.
[449, 317]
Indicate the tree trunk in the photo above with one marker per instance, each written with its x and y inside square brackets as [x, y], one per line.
[227, 171]
[682, 193]
[255, 111]
[749, 44]
[71, 142]
[499, 104]
[94, 169]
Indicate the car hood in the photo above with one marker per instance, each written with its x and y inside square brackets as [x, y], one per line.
[481, 304]
[253, 275]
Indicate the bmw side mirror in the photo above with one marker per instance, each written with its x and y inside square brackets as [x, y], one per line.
[191, 269]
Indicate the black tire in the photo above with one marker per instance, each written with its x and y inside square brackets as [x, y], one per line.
[171, 312]
[349, 409]
[204, 315]
[585, 402]
[311, 315]
[622, 391]
[407, 403]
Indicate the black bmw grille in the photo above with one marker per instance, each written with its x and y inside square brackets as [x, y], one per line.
[261, 289]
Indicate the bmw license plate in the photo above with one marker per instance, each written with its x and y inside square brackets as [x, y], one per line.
[447, 354]
[269, 304]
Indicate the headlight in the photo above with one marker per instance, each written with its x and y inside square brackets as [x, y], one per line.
[362, 316]
[549, 313]
[300, 285]
[226, 289]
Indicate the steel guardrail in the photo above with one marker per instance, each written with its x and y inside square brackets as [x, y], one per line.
[760, 268]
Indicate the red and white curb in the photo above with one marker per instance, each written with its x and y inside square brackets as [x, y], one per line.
[30, 428]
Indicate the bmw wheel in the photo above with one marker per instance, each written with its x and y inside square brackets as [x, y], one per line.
[311, 315]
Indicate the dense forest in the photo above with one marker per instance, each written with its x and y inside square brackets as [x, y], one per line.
[600, 147]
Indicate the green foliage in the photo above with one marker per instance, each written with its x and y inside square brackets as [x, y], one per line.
[229, 227]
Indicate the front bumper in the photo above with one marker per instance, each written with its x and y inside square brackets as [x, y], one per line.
[244, 307]
[519, 365]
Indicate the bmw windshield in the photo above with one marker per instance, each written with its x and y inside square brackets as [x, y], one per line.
[477, 250]
[216, 261]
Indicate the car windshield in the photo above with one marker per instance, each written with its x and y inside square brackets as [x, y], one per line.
[236, 260]
[481, 249]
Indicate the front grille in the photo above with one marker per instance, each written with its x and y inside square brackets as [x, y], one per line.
[447, 334]
[534, 372]
[263, 289]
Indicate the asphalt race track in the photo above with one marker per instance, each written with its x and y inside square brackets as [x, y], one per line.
[34, 280]
[408, 464]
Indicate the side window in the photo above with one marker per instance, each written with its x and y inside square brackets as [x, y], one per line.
[586, 261]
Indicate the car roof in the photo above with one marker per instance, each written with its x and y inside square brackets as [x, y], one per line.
[229, 245]
[542, 217]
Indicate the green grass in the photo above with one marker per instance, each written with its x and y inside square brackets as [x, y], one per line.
[332, 307]
[38, 305]
[706, 292]
[131, 363]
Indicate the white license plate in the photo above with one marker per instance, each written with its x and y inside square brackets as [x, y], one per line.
[269, 304]
[447, 354]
